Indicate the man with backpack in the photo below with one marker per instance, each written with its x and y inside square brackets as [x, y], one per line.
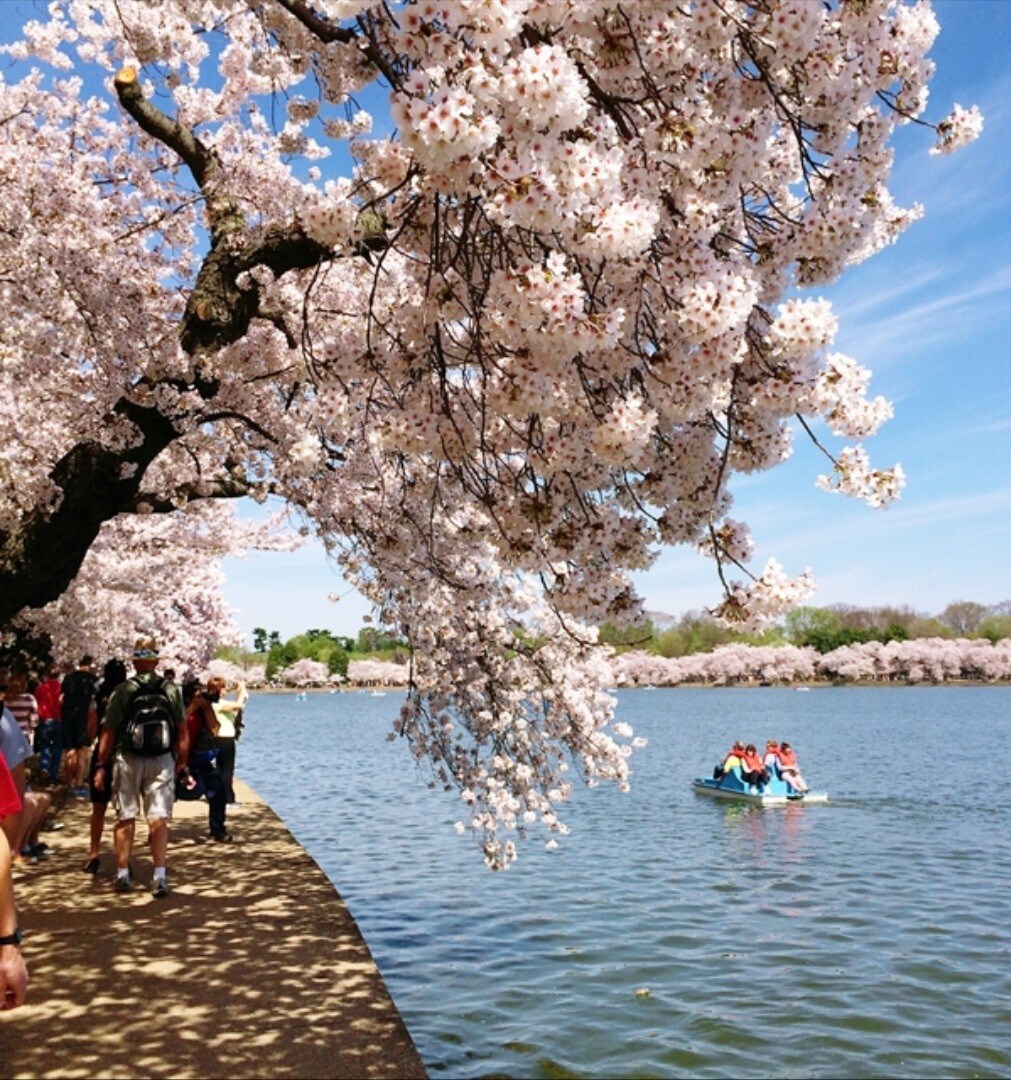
[143, 728]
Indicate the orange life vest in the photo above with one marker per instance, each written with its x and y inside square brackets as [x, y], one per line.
[752, 762]
[787, 759]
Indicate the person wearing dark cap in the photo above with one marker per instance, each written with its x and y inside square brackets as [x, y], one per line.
[143, 727]
[78, 702]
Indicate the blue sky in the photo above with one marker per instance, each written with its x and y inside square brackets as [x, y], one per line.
[931, 316]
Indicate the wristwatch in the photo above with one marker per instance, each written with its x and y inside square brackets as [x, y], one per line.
[12, 939]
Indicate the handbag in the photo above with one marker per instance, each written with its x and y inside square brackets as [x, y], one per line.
[188, 786]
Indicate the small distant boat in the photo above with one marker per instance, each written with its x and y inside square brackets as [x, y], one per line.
[802, 689]
[378, 693]
[301, 697]
[777, 792]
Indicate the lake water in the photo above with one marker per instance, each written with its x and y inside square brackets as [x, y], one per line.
[672, 935]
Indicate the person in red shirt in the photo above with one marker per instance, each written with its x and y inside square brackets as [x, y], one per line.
[49, 732]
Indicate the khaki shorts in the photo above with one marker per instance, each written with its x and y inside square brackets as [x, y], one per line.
[151, 780]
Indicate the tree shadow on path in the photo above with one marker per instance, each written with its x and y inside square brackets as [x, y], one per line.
[251, 967]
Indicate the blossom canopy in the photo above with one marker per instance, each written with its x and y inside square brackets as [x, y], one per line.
[498, 360]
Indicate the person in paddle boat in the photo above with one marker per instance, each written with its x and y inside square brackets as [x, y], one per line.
[788, 769]
[771, 759]
[735, 759]
[753, 771]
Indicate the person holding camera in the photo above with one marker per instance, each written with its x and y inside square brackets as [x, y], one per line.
[228, 715]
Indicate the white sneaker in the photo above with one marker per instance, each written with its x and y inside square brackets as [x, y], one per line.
[159, 887]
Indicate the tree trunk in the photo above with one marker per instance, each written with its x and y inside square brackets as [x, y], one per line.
[41, 558]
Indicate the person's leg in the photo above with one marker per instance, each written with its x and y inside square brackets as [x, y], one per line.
[36, 806]
[123, 838]
[44, 743]
[75, 743]
[81, 764]
[796, 781]
[99, 806]
[56, 754]
[159, 796]
[11, 824]
[157, 832]
[11, 828]
[70, 758]
[126, 781]
[226, 764]
[97, 828]
[217, 803]
[157, 829]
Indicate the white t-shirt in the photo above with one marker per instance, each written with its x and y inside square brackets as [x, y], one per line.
[226, 721]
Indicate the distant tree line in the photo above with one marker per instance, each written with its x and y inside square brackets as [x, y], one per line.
[824, 629]
[336, 651]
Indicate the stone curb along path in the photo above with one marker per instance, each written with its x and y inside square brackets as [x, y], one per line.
[251, 967]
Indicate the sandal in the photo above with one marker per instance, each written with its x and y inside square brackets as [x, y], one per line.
[91, 866]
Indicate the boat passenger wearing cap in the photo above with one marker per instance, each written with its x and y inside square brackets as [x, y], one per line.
[141, 781]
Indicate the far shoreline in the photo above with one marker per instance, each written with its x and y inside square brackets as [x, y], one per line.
[865, 684]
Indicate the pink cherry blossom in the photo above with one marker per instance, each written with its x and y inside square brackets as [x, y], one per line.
[526, 337]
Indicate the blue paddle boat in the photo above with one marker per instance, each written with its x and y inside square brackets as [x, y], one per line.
[777, 792]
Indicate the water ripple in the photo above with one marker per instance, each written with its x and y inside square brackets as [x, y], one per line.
[674, 936]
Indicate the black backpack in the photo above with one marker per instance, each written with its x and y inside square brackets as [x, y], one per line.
[149, 726]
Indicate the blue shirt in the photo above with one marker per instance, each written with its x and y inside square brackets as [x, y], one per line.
[14, 745]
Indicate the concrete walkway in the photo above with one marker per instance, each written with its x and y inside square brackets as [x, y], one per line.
[251, 967]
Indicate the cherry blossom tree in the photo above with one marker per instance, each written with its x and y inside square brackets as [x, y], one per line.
[377, 673]
[517, 346]
[918, 660]
[254, 675]
[158, 574]
[304, 672]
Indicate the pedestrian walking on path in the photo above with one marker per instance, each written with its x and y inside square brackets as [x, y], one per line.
[144, 728]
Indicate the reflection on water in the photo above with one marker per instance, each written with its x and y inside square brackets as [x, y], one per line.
[672, 935]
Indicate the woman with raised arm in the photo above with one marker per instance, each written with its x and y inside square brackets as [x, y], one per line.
[227, 713]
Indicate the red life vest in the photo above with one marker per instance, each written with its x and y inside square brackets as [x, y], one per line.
[752, 762]
[787, 759]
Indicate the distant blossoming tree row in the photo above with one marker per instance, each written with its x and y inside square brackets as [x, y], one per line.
[305, 673]
[920, 660]
[529, 339]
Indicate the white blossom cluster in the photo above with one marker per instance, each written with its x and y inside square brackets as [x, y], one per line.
[853, 475]
[959, 129]
[515, 347]
[156, 574]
